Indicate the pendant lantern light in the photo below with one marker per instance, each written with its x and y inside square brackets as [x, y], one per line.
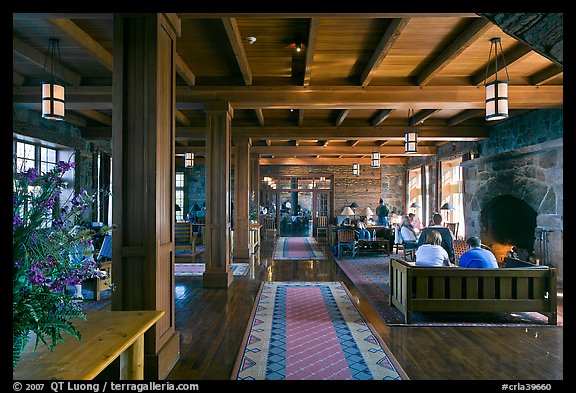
[411, 135]
[52, 92]
[497, 89]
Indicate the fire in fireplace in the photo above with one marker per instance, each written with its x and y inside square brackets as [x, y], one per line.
[506, 222]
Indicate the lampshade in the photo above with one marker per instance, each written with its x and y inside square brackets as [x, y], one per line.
[415, 206]
[52, 92]
[178, 208]
[410, 136]
[356, 169]
[354, 205]
[447, 206]
[196, 207]
[367, 212]
[347, 211]
[497, 89]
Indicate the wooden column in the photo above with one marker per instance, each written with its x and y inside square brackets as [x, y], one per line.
[255, 179]
[143, 138]
[242, 198]
[217, 229]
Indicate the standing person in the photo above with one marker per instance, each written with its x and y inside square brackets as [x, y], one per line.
[476, 256]
[382, 213]
[431, 252]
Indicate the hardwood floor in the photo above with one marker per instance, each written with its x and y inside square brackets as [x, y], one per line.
[212, 323]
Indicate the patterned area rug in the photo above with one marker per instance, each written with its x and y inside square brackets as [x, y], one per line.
[370, 276]
[311, 331]
[188, 255]
[297, 248]
[197, 269]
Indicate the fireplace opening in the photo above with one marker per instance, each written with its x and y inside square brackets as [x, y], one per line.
[507, 222]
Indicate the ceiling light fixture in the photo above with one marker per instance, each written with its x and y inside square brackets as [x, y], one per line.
[188, 159]
[53, 92]
[250, 40]
[496, 90]
[375, 160]
[411, 136]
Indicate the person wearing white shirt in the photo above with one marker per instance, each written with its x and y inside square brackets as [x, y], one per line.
[431, 253]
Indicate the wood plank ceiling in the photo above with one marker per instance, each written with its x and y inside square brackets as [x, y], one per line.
[345, 94]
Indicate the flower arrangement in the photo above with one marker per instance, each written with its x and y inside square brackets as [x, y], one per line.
[51, 251]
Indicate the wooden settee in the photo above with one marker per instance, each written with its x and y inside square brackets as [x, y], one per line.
[454, 289]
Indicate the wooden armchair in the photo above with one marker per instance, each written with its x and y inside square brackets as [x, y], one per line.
[269, 227]
[184, 237]
[347, 241]
[322, 226]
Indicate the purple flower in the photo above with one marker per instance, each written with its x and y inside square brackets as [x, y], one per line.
[16, 221]
[30, 175]
[65, 166]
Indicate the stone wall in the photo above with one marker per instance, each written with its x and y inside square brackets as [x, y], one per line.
[523, 158]
[365, 189]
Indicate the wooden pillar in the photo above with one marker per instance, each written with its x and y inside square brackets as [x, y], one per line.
[143, 178]
[255, 179]
[242, 198]
[217, 229]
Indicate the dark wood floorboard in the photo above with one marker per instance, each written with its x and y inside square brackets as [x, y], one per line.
[212, 323]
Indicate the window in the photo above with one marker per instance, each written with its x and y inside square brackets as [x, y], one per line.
[451, 191]
[28, 155]
[180, 196]
[415, 193]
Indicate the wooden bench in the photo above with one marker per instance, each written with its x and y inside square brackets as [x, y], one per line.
[418, 288]
[106, 335]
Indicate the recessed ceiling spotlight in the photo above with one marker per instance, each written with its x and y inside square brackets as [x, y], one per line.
[250, 40]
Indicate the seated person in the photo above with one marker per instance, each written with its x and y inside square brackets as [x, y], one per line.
[431, 252]
[408, 234]
[446, 233]
[362, 232]
[476, 256]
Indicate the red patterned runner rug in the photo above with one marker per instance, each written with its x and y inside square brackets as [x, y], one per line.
[311, 331]
[297, 248]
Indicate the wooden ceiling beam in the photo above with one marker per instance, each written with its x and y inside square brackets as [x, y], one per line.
[35, 56]
[83, 39]
[308, 161]
[372, 97]
[341, 116]
[478, 27]
[369, 15]
[512, 55]
[422, 115]
[392, 32]
[97, 116]
[324, 135]
[290, 151]
[182, 118]
[310, 50]
[546, 75]
[321, 97]
[231, 27]
[381, 116]
[184, 71]
[17, 79]
[464, 115]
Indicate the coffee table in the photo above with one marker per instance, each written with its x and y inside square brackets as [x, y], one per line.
[374, 246]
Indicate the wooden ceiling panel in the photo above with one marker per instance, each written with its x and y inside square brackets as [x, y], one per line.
[344, 89]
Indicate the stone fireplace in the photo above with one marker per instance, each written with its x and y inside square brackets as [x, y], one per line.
[515, 198]
[506, 222]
